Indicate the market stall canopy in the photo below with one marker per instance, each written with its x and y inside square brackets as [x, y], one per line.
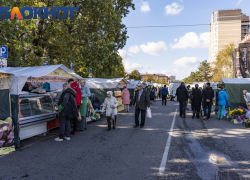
[51, 73]
[235, 80]
[133, 84]
[98, 83]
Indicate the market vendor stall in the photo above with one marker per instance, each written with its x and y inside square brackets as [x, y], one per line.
[7, 131]
[100, 87]
[235, 89]
[37, 112]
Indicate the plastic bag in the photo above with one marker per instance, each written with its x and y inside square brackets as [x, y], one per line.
[175, 98]
[113, 114]
[225, 113]
[248, 114]
[228, 104]
[149, 115]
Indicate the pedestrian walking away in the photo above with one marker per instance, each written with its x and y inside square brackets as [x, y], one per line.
[67, 110]
[196, 101]
[164, 93]
[141, 102]
[207, 95]
[75, 86]
[83, 108]
[110, 104]
[152, 95]
[222, 102]
[189, 95]
[125, 98]
[182, 97]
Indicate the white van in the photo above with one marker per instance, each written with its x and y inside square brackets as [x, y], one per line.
[172, 89]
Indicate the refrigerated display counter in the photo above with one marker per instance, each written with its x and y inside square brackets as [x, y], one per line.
[35, 110]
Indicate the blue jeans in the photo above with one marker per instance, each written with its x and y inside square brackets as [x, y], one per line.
[182, 106]
[221, 111]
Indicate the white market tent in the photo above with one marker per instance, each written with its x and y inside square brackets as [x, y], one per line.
[23, 73]
[133, 84]
[98, 83]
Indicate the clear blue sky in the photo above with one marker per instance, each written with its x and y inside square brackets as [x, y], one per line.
[173, 50]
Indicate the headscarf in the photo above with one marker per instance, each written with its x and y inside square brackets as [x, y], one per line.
[93, 98]
[111, 94]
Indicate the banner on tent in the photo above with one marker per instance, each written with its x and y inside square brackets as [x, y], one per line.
[50, 79]
[241, 61]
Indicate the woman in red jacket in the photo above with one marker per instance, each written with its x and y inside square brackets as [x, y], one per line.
[75, 86]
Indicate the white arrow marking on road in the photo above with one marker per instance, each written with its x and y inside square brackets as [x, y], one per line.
[165, 154]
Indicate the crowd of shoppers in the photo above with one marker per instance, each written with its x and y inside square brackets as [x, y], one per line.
[72, 107]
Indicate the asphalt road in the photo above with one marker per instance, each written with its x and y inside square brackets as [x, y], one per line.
[198, 150]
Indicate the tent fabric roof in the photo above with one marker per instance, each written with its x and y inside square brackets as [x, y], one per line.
[37, 71]
[98, 83]
[133, 84]
[235, 80]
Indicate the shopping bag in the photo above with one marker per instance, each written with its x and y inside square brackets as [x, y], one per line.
[228, 104]
[212, 109]
[149, 115]
[175, 98]
[225, 113]
[113, 114]
[216, 108]
[248, 114]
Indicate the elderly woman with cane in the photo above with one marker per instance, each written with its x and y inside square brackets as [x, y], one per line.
[83, 108]
[110, 104]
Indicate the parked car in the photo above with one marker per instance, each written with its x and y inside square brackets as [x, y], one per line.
[172, 89]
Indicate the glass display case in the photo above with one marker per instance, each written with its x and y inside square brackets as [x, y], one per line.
[35, 108]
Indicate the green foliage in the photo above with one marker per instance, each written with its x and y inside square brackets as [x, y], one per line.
[203, 74]
[135, 74]
[92, 39]
[223, 66]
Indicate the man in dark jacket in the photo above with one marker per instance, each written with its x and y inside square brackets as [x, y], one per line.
[182, 96]
[196, 101]
[141, 99]
[164, 93]
[207, 95]
[67, 110]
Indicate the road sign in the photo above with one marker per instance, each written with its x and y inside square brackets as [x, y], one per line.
[3, 63]
[4, 52]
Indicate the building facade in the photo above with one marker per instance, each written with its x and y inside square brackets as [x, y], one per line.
[156, 76]
[227, 26]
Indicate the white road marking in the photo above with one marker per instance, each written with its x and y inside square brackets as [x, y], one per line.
[165, 154]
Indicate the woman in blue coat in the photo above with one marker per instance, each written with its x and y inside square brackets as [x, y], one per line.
[223, 98]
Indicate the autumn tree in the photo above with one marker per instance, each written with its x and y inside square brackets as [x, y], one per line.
[148, 78]
[223, 66]
[135, 74]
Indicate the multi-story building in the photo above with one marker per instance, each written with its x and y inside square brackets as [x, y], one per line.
[172, 78]
[227, 26]
[156, 76]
